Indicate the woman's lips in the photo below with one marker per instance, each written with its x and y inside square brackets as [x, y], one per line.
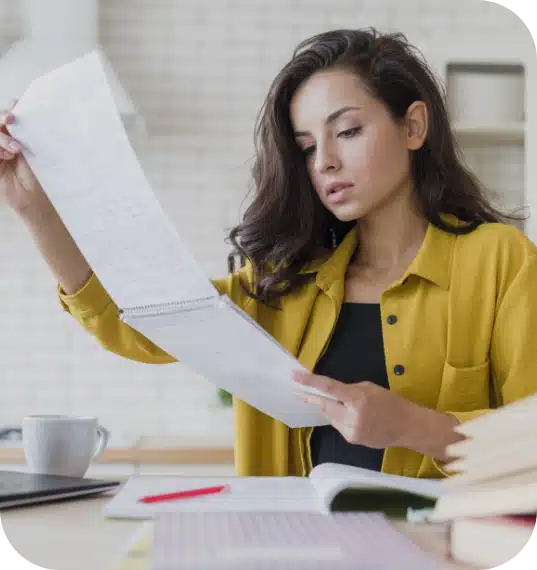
[339, 195]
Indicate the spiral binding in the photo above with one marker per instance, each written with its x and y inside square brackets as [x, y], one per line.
[158, 309]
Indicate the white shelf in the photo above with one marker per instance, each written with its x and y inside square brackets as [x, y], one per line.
[497, 133]
[485, 48]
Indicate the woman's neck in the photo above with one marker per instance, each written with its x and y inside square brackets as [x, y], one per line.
[390, 238]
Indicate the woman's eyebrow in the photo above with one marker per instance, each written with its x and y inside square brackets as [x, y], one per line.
[330, 119]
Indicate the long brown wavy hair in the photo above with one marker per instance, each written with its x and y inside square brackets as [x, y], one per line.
[286, 225]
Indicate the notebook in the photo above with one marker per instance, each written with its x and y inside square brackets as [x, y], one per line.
[284, 541]
[17, 488]
[75, 143]
[329, 487]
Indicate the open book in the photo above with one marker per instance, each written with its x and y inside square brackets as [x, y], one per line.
[75, 143]
[329, 487]
[496, 466]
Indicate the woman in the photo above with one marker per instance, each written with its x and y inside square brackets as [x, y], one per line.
[371, 253]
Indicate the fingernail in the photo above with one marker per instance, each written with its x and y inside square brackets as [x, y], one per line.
[14, 146]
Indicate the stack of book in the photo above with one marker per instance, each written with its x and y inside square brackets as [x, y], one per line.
[491, 496]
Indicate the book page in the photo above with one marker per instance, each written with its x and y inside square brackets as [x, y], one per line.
[489, 498]
[476, 447]
[480, 476]
[259, 494]
[517, 456]
[75, 143]
[329, 479]
[521, 415]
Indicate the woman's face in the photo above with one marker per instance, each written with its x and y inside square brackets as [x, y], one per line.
[356, 155]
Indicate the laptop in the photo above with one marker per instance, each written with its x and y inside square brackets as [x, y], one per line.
[18, 488]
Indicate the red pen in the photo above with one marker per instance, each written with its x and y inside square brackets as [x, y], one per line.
[191, 493]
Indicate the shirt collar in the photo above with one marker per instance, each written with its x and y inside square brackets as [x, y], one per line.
[432, 262]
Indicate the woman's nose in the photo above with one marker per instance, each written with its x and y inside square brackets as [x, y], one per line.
[326, 159]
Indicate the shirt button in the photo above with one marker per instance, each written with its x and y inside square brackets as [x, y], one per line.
[399, 369]
[392, 319]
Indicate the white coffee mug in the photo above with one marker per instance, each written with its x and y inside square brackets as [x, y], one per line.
[62, 444]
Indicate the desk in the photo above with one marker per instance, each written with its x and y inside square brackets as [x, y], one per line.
[69, 535]
[146, 451]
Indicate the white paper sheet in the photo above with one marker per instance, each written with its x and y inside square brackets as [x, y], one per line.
[221, 344]
[75, 143]
[246, 494]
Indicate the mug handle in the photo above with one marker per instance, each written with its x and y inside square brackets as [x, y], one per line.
[104, 436]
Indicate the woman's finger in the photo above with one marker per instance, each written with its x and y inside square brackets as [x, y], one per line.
[5, 155]
[333, 410]
[8, 143]
[6, 118]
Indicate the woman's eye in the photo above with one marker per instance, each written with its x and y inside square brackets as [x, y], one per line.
[347, 134]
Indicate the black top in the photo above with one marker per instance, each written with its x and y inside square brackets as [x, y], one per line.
[355, 353]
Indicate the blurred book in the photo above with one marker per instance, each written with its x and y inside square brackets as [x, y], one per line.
[284, 541]
[491, 499]
[490, 541]
[495, 468]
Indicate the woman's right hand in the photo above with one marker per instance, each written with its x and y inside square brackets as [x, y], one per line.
[18, 184]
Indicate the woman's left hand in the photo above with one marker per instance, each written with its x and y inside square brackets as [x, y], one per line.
[364, 413]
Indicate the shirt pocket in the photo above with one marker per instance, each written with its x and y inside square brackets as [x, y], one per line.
[465, 389]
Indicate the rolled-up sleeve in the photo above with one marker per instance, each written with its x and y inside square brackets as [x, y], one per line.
[97, 313]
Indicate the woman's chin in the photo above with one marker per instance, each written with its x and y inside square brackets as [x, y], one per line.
[348, 212]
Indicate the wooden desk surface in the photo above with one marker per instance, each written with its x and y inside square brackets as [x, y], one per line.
[74, 534]
[147, 450]
[146, 455]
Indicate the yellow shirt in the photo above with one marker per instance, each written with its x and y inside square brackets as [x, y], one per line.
[465, 337]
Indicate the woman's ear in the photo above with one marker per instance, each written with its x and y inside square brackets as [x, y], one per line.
[416, 122]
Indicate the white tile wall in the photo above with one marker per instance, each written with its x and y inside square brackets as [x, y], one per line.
[198, 71]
